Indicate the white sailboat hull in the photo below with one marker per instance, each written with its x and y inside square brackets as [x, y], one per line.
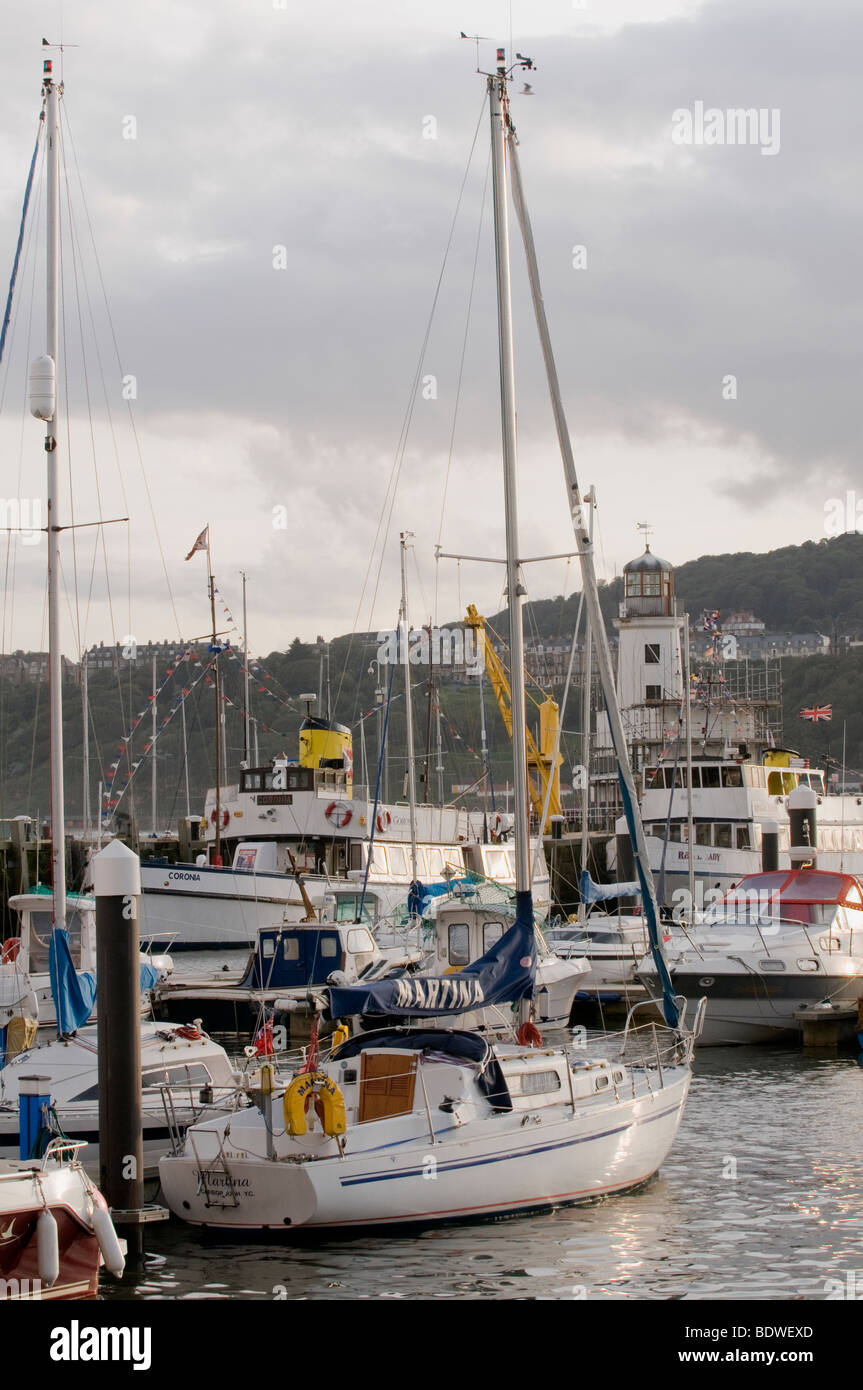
[517, 1163]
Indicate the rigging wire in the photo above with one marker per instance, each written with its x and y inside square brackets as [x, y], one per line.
[457, 402]
[389, 498]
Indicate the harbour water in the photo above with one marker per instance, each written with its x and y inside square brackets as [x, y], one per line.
[761, 1198]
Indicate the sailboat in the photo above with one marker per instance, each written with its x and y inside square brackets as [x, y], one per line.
[496, 1127]
[65, 1063]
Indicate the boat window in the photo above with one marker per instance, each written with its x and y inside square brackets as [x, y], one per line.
[743, 841]
[458, 938]
[491, 932]
[291, 948]
[651, 653]
[702, 834]
[808, 964]
[538, 1083]
[674, 832]
[601, 1082]
[722, 836]
[175, 1076]
[396, 857]
[329, 946]
[360, 940]
[496, 863]
[355, 855]
[652, 777]
[710, 777]
[830, 943]
[268, 947]
[653, 692]
[680, 777]
[378, 860]
[732, 777]
[421, 863]
[251, 781]
[696, 777]
[435, 863]
[771, 965]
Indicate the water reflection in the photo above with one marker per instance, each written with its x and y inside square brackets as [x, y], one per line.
[762, 1197]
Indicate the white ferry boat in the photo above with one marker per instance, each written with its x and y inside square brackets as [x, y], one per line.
[354, 856]
[733, 802]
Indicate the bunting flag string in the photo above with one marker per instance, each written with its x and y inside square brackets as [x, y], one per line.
[252, 665]
[110, 801]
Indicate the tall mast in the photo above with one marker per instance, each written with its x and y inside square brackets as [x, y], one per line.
[55, 672]
[690, 829]
[185, 755]
[247, 742]
[85, 780]
[154, 736]
[404, 634]
[515, 590]
[594, 610]
[217, 848]
[590, 500]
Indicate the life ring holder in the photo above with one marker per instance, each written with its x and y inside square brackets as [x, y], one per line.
[328, 1100]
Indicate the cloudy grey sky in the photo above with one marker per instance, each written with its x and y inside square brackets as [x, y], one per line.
[259, 125]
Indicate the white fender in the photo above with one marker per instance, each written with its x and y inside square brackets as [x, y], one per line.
[48, 1247]
[109, 1241]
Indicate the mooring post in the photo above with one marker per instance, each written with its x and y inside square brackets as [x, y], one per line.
[117, 887]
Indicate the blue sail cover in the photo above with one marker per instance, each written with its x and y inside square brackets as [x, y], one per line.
[73, 991]
[603, 892]
[74, 995]
[503, 975]
[422, 895]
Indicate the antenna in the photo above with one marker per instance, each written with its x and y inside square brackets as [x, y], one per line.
[645, 529]
[478, 39]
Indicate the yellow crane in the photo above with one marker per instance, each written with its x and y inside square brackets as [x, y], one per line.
[541, 762]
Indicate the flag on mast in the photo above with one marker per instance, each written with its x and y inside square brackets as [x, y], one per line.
[817, 713]
[201, 543]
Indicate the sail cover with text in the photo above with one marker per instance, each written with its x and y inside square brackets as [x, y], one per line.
[503, 975]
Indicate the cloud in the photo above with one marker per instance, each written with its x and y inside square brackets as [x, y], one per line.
[259, 128]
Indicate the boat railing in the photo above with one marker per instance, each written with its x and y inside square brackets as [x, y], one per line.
[55, 1149]
[652, 1043]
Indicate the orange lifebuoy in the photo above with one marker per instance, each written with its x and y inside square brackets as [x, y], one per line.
[339, 814]
[382, 821]
[11, 947]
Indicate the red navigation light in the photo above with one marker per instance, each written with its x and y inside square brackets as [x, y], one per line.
[47, 67]
[501, 55]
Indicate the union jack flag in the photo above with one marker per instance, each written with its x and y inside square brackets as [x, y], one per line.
[817, 713]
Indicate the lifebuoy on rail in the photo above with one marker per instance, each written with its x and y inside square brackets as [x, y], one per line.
[329, 1103]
